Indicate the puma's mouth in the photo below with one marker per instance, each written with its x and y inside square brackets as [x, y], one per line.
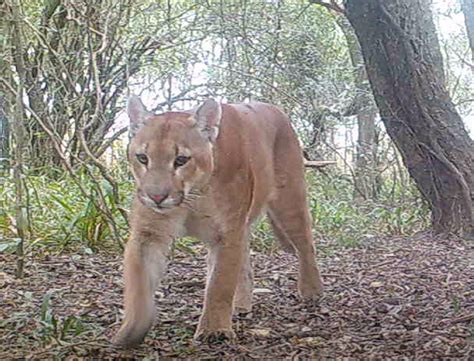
[169, 204]
[162, 210]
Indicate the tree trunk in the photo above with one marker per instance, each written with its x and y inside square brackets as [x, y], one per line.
[4, 137]
[468, 11]
[365, 167]
[404, 67]
[4, 99]
[363, 105]
[19, 138]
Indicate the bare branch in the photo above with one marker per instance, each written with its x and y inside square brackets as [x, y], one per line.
[331, 5]
[318, 163]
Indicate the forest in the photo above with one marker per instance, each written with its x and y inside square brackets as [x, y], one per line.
[380, 94]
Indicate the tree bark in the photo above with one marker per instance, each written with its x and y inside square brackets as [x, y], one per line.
[4, 98]
[4, 137]
[404, 67]
[363, 105]
[19, 138]
[468, 11]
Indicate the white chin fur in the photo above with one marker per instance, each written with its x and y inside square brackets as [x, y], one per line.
[166, 206]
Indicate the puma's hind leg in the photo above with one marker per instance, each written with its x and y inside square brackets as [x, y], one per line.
[295, 224]
[289, 211]
[291, 220]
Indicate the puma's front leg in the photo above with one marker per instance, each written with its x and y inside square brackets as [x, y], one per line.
[224, 266]
[144, 266]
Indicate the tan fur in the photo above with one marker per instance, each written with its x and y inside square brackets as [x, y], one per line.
[254, 165]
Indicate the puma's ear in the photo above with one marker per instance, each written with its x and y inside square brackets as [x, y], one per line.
[137, 113]
[208, 118]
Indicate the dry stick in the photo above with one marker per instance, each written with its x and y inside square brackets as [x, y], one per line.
[318, 163]
[462, 57]
[99, 165]
[109, 141]
[462, 319]
[51, 131]
[45, 43]
[95, 73]
[97, 110]
[92, 342]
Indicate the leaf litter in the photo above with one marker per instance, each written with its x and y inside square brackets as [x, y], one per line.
[410, 298]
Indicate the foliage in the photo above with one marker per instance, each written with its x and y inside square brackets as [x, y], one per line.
[61, 217]
[454, 45]
[337, 216]
[340, 221]
[53, 328]
[296, 58]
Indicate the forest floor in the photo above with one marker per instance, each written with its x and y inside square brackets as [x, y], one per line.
[387, 298]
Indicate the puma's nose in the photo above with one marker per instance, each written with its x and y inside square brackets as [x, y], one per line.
[158, 198]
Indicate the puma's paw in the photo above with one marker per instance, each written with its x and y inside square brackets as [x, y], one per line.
[128, 337]
[238, 309]
[311, 292]
[243, 305]
[125, 341]
[214, 336]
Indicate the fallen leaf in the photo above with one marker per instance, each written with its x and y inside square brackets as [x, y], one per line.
[260, 332]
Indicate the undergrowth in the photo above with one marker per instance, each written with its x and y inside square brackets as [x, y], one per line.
[340, 220]
[61, 218]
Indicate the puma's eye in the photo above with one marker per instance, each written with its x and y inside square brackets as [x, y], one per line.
[181, 160]
[142, 158]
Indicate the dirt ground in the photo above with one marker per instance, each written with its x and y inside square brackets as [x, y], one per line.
[397, 298]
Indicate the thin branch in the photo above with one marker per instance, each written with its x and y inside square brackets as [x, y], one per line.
[331, 5]
[318, 163]
[278, 90]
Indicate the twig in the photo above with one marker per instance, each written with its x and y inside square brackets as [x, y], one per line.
[318, 163]
[263, 82]
[462, 319]
[331, 5]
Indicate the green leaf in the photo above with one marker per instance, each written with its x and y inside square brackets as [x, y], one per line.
[9, 245]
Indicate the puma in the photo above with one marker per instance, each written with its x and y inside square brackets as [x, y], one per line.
[209, 173]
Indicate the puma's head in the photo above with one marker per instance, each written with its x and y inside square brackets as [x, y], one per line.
[171, 154]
